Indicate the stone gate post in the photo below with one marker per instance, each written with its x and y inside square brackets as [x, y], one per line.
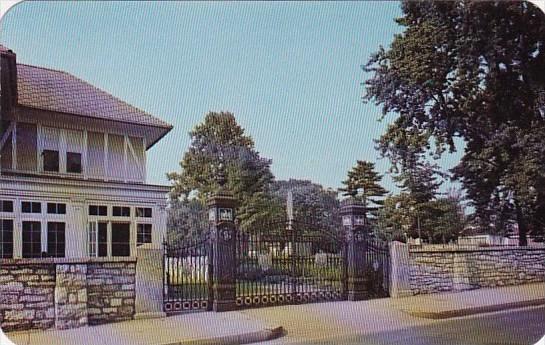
[353, 220]
[221, 215]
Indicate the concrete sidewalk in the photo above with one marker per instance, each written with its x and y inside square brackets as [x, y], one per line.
[320, 321]
[299, 322]
[454, 304]
[200, 328]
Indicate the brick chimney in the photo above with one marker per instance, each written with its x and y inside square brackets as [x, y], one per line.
[8, 80]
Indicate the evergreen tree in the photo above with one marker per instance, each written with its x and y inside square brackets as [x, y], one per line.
[363, 183]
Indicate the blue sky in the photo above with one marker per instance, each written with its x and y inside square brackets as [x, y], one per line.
[290, 72]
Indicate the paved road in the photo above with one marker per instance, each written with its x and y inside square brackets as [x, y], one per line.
[517, 327]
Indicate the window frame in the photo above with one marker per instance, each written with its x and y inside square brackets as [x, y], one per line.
[98, 209]
[122, 213]
[80, 164]
[58, 163]
[32, 204]
[3, 202]
[57, 244]
[143, 212]
[114, 245]
[138, 233]
[3, 242]
[33, 242]
[56, 208]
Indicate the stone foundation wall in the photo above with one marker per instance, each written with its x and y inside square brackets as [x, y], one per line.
[110, 292]
[65, 293]
[455, 268]
[27, 296]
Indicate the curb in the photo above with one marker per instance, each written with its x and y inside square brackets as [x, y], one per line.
[237, 339]
[474, 310]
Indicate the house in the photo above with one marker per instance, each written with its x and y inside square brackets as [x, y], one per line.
[73, 168]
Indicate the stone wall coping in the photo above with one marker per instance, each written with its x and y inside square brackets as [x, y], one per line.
[60, 261]
[452, 249]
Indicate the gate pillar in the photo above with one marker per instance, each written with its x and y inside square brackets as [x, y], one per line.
[353, 220]
[221, 215]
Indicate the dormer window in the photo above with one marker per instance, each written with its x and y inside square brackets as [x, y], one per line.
[73, 162]
[51, 160]
[62, 150]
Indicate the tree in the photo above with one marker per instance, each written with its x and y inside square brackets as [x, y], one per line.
[471, 70]
[437, 221]
[219, 145]
[187, 219]
[311, 202]
[363, 183]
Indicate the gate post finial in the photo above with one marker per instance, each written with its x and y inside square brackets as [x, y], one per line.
[353, 221]
[221, 217]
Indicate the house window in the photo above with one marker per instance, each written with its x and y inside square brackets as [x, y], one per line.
[55, 239]
[121, 239]
[143, 233]
[32, 240]
[51, 160]
[6, 238]
[95, 210]
[144, 212]
[54, 208]
[98, 239]
[6, 206]
[73, 162]
[118, 211]
[31, 207]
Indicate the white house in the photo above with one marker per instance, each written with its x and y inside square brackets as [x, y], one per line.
[73, 168]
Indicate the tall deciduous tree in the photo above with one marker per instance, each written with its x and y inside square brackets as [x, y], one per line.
[473, 70]
[220, 143]
[311, 202]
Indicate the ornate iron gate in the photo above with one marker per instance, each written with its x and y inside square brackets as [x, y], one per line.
[187, 276]
[377, 268]
[289, 262]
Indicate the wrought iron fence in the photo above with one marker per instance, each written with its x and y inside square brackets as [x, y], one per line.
[282, 263]
[187, 276]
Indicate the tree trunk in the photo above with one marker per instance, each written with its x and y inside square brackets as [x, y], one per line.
[523, 228]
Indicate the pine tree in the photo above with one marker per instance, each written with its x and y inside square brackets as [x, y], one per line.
[363, 184]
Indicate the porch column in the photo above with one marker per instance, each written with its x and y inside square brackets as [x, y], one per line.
[221, 208]
[353, 219]
[149, 287]
[76, 229]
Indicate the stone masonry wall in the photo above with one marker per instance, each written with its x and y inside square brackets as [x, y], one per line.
[65, 293]
[463, 268]
[111, 291]
[27, 296]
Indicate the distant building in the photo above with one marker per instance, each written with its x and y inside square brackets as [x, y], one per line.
[73, 168]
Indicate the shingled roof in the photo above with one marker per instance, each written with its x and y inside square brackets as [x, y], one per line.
[59, 91]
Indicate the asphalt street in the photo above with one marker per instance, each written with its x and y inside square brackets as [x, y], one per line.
[517, 327]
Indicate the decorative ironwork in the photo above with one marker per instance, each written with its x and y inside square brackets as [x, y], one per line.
[282, 264]
[187, 276]
[377, 271]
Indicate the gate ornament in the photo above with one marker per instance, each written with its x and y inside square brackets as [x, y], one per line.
[359, 236]
[359, 220]
[226, 235]
[226, 214]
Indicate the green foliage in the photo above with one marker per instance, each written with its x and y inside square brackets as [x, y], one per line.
[472, 70]
[311, 201]
[363, 183]
[220, 143]
[437, 221]
[187, 219]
